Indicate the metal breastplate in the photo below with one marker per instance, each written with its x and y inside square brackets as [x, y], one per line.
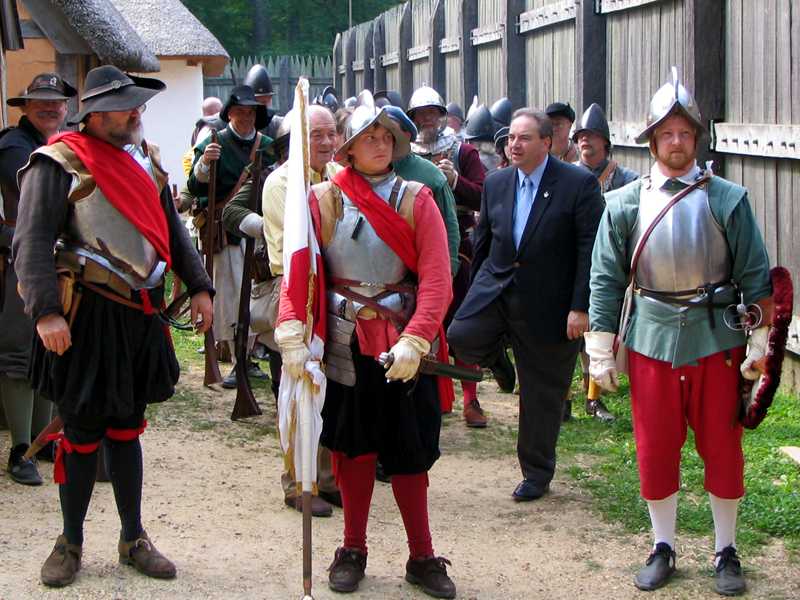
[97, 231]
[356, 252]
[686, 250]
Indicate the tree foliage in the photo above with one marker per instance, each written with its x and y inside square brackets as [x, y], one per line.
[254, 27]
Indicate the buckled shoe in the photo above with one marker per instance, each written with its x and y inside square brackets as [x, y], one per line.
[142, 555]
[430, 574]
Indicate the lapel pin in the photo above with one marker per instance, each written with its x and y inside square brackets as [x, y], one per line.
[547, 194]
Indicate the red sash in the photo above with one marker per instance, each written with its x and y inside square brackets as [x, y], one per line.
[125, 185]
[399, 236]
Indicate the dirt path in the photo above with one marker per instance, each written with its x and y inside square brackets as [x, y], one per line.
[213, 503]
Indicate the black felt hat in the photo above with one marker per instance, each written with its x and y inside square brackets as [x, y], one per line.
[243, 95]
[45, 86]
[107, 89]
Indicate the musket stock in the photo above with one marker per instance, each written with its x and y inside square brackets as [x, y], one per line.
[212, 374]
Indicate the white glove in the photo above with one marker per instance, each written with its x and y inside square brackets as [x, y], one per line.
[294, 352]
[252, 226]
[602, 365]
[756, 350]
[407, 352]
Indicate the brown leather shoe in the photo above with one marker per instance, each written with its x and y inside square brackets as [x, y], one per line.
[63, 563]
[473, 415]
[431, 575]
[143, 556]
[598, 410]
[346, 570]
[319, 508]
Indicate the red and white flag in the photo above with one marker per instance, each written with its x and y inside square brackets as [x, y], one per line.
[300, 400]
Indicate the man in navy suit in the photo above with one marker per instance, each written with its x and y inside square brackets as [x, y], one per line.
[530, 283]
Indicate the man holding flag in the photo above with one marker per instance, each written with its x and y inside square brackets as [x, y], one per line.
[372, 276]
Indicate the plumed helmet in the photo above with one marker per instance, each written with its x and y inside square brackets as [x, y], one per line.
[365, 115]
[594, 120]
[425, 97]
[501, 112]
[388, 97]
[258, 79]
[671, 98]
[455, 110]
[480, 125]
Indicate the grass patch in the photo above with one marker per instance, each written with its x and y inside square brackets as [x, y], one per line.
[602, 459]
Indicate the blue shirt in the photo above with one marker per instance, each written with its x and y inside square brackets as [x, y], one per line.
[527, 187]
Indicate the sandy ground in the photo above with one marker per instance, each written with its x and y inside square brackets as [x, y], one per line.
[213, 504]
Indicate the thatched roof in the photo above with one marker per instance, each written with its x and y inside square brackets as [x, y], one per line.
[170, 30]
[107, 33]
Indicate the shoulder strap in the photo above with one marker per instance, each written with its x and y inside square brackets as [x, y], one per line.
[609, 170]
[637, 252]
[246, 171]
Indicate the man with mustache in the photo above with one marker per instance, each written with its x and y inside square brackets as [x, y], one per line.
[266, 226]
[685, 362]
[235, 148]
[44, 108]
[101, 200]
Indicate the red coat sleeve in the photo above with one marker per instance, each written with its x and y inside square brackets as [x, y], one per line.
[435, 290]
[471, 174]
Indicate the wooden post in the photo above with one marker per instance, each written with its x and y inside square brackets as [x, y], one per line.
[436, 62]
[590, 57]
[704, 76]
[369, 74]
[514, 53]
[378, 50]
[469, 53]
[405, 66]
[349, 57]
[337, 60]
[68, 67]
[286, 93]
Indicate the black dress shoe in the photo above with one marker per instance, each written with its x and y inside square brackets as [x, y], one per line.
[431, 575]
[729, 580]
[346, 570]
[598, 410]
[23, 470]
[229, 382]
[380, 474]
[528, 490]
[657, 570]
[504, 373]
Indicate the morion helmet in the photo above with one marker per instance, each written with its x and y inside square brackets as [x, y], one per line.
[365, 114]
[594, 120]
[671, 98]
[480, 125]
[258, 79]
[425, 97]
[501, 112]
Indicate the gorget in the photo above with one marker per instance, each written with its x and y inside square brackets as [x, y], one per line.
[447, 143]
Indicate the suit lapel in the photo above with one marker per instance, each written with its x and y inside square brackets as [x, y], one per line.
[544, 195]
[509, 194]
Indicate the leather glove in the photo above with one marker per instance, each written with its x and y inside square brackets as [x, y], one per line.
[407, 352]
[756, 350]
[290, 338]
[602, 365]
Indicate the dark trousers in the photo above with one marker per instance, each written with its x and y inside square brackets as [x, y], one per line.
[545, 373]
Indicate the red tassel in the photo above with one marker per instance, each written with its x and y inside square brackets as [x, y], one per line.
[147, 306]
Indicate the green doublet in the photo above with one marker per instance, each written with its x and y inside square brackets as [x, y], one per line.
[675, 334]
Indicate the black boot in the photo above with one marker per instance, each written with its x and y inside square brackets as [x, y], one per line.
[23, 470]
[504, 373]
[598, 410]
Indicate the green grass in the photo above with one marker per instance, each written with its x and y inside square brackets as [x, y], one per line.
[602, 459]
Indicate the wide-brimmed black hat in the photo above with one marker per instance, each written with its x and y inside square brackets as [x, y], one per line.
[243, 95]
[107, 89]
[45, 86]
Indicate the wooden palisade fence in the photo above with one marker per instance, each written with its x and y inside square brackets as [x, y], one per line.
[741, 58]
[284, 72]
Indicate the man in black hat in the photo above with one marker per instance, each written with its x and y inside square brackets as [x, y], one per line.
[562, 116]
[44, 108]
[235, 148]
[102, 352]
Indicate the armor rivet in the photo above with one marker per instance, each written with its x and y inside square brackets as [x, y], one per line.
[116, 84]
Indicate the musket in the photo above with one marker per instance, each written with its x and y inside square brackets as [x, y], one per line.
[430, 366]
[212, 374]
[246, 405]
